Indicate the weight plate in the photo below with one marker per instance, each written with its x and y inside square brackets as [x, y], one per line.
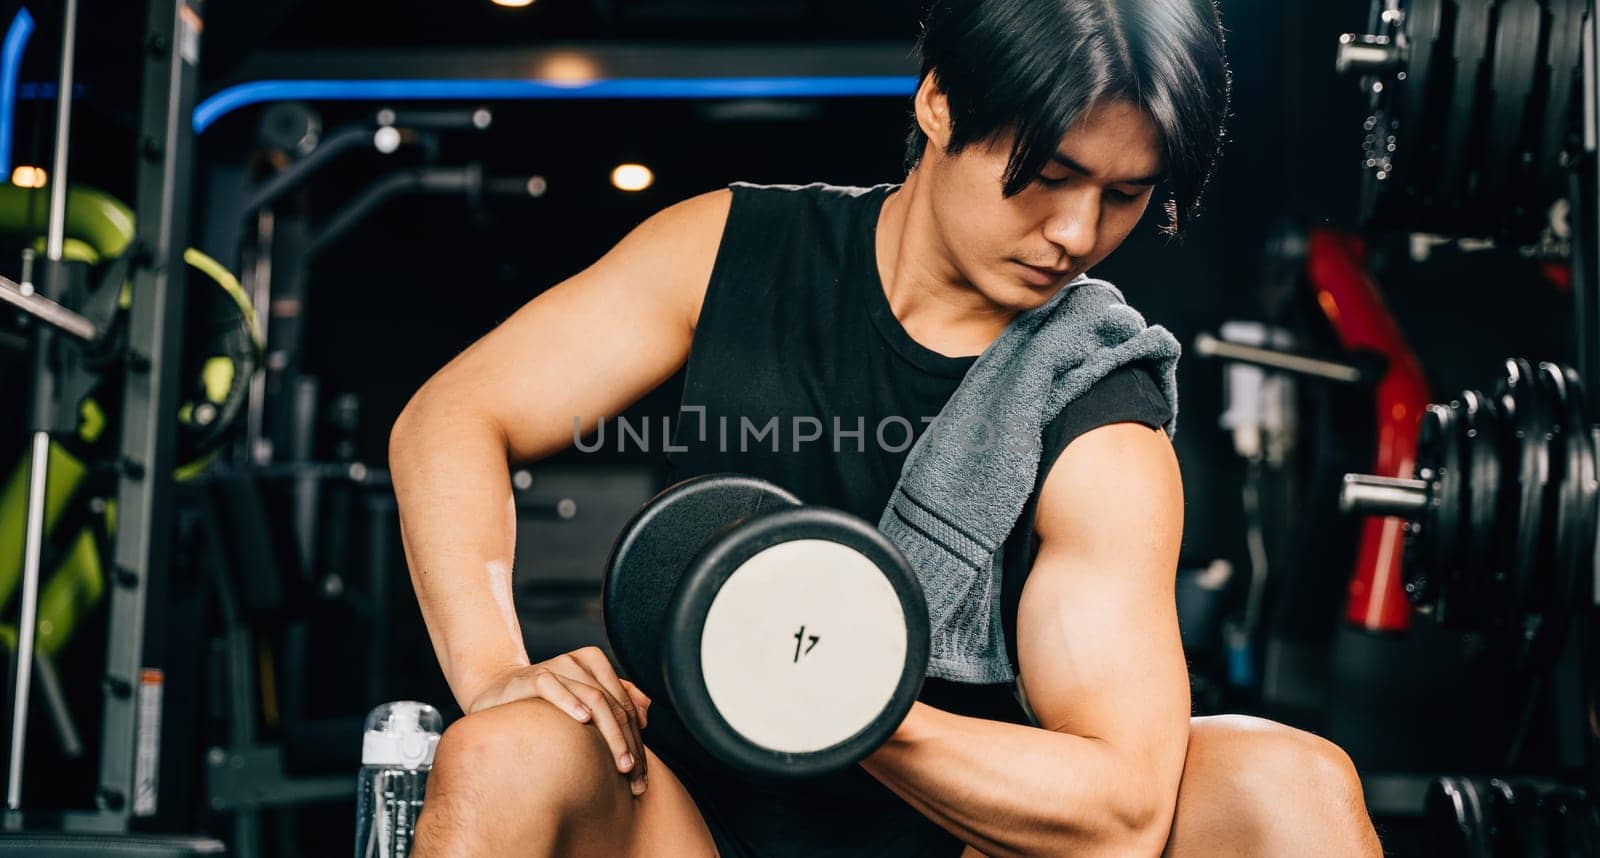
[1588, 489]
[1563, 522]
[1513, 69]
[1430, 540]
[1577, 829]
[1482, 451]
[796, 643]
[1424, 32]
[653, 550]
[1455, 819]
[1470, 48]
[1563, 58]
[1519, 827]
[1527, 470]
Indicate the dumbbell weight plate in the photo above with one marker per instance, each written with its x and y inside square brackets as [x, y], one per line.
[1513, 67]
[1431, 540]
[1482, 451]
[1456, 819]
[1563, 56]
[1520, 827]
[1527, 472]
[1470, 49]
[1424, 34]
[796, 643]
[653, 550]
[1563, 532]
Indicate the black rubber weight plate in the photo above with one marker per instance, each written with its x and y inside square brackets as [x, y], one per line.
[1430, 546]
[1416, 139]
[1515, 63]
[1482, 452]
[1528, 466]
[778, 622]
[1456, 819]
[652, 552]
[1570, 534]
[1471, 45]
[1565, 52]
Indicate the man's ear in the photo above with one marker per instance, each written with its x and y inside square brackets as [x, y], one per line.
[933, 111]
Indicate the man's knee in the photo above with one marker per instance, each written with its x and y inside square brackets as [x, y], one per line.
[1289, 778]
[1270, 758]
[528, 749]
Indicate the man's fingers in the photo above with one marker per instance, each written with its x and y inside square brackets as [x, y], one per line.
[550, 687]
[609, 721]
[630, 712]
[641, 701]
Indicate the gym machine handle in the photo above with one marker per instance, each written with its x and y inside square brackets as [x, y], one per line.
[1206, 345]
[1382, 496]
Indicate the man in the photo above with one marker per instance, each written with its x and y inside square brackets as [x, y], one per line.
[1042, 130]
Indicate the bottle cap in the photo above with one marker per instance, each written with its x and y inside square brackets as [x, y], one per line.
[403, 733]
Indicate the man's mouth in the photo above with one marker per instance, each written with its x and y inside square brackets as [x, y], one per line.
[1040, 276]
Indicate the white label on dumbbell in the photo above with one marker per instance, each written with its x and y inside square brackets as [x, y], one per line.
[803, 646]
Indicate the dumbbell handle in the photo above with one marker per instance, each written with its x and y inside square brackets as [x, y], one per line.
[1368, 495]
[1364, 54]
[1206, 345]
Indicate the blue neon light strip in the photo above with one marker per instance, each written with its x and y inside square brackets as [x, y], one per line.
[256, 92]
[10, 65]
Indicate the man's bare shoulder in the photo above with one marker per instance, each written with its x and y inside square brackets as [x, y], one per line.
[676, 248]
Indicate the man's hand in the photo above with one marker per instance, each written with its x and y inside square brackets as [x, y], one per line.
[583, 684]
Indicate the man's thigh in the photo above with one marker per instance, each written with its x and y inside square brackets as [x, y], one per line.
[666, 820]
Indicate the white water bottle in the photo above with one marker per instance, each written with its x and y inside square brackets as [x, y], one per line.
[396, 755]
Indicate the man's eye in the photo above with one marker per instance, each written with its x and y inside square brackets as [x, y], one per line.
[1050, 182]
[1121, 197]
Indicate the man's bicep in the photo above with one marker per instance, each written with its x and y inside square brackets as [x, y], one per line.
[1097, 628]
[590, 346]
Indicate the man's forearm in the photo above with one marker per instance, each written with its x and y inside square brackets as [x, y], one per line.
[1009, 789]
[458, 525]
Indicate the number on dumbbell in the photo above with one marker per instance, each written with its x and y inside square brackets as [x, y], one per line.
[799, 638]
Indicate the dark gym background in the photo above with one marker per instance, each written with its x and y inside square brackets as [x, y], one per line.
[425, 276]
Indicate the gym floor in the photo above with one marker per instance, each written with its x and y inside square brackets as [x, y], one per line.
[1387, 308]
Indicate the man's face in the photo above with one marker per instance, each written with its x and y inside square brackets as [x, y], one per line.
[1018, 251]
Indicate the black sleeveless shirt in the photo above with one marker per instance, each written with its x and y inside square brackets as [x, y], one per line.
[800, 374]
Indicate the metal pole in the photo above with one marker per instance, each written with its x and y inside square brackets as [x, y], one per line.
[129, 750]
[39, 466]
[37, 472]
[58, 177]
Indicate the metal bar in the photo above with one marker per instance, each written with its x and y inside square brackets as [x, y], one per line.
[46, 391]
[144, 492]
[1206, 345]
[37, 473]
[257, 92]
[258, 269]
[433, 180]
[1585, 197]
[55, 701]
[357, 210]
[57, 235]
[346, 139]
[1385, 496]
[23, 297]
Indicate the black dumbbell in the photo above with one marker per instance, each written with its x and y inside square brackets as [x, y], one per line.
[791, 640]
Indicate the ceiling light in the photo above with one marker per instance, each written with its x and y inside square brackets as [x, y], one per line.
[28, 177]
[632, 177]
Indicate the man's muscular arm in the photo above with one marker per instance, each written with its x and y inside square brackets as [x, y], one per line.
[1102, 666]
[586, 348]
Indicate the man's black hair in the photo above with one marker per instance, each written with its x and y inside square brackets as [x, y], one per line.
[1035, 66]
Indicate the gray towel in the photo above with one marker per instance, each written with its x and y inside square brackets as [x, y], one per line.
[966, 481]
